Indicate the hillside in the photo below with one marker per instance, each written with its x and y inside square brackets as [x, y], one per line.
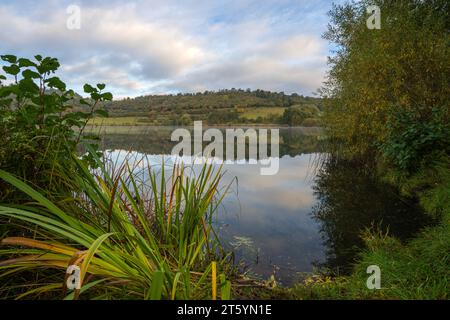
[213, 107]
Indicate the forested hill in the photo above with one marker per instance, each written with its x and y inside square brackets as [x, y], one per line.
[224, 106]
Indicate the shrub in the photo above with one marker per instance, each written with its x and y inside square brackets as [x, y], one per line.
[410, 139]
[311, 122]
[39, 126]
[296, 115]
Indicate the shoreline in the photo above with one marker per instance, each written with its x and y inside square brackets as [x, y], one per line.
[136, 129]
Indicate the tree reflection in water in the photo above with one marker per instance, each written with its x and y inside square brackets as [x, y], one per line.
[351, 199]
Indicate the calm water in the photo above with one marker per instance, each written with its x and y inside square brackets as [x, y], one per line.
[298, 220]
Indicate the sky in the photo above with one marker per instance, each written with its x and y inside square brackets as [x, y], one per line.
[166, 46]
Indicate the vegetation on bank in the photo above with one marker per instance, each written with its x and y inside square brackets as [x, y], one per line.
[387, 106]
[234, 106]
[129, 243]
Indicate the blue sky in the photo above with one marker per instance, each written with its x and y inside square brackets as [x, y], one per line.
[142, 47]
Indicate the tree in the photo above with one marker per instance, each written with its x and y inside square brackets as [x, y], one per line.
[185, 119]
[404, 65]
[296, 115]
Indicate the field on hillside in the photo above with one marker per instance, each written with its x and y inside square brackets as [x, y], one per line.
[265, 112]
[167, 118]
[120, 121]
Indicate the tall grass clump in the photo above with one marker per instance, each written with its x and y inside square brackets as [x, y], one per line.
[135, 233]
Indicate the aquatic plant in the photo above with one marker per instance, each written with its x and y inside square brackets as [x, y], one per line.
[127, 243]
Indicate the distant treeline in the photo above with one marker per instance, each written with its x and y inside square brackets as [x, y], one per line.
[219, 107]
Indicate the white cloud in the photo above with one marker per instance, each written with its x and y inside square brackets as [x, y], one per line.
[141, 47]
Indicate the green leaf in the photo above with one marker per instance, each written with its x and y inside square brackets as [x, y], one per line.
[9, 58]
[101, 86]
[38, 57]
[91, 252]
[69, 93]
[48, 65]
[36, 196]
[84, 288]
[95, 96]
[30, 74]
[6, 91]
[84, 102]
[28, 85]
[26, 63]
[107, 96]
[2, 77]
[55, 82]
[13, 69]
[89, 89]
[157, 285]
[225, 289]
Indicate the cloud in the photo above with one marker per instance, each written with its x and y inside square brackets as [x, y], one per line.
[142, 47]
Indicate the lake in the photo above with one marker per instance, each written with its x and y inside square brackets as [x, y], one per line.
[307, 217]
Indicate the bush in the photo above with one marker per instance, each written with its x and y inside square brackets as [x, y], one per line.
[296, 115]
[410, 139]
[311, 122]
[38, 124]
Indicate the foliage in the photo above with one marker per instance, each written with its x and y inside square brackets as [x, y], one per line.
[148, 239]
[430, 183]
[185, 119]
[402, 66]
[409, 140]
[36, 122]
[132, 237]
[387, 98]
[216, 107]
[296, 115]
[226, 116]
[267, 115]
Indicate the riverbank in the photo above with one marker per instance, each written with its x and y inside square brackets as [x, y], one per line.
[138, 129]
[416, 270]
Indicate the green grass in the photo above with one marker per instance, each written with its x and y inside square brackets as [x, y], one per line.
[112, 129]
[162, 118]
[120, 121]
[129, 242]
[264, 112]
[417, 270]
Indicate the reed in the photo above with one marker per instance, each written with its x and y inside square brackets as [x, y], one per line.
[135, 233]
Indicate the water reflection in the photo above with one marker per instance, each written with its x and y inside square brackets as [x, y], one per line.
[351, 199]
[299, 219]
[156, 140]
[273, 212]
